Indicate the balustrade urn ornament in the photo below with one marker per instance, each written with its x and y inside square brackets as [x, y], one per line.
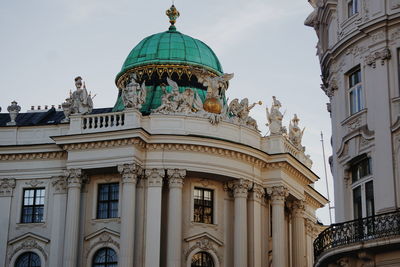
[13, 109]
[176, 177]
[130, 172]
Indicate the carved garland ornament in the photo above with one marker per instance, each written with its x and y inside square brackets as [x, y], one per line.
[381, 55]
[204, 244]
[28, 245]
[104, 239]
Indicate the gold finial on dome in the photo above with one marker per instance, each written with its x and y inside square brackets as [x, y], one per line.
[172, 14]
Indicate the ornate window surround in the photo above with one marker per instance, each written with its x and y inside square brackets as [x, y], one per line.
[21, 185]
[100, 239]
[95, 182]
[27, 243]
[206, 184]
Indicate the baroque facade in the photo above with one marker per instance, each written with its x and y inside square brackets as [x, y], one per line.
[358, 47]
[172, 175]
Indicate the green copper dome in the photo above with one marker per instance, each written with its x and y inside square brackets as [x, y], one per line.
[172, 48]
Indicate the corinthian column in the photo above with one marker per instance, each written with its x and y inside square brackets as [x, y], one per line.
[153, 217]
[129, 174]
[278, 195]
[240, 189]
[174, 235]
[71, 236]
[298, 233]
[255, 228]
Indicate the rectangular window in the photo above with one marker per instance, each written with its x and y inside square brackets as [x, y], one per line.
[357, 208]
[360, 169]
[355, 92]
[352, 7]
[369, 198]
[203, 205]
[107, 201]
[33, 205]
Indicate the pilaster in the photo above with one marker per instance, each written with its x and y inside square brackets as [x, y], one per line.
[174, 235]
[278, 195]
[153, 216]
[299, 257]
[257, 194]
[7, 186]
[129, 175]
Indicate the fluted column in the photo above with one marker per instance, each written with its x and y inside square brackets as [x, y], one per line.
[255, 227]
[139, 225]
[58, 219]
[71, 235]
[174, 235]
[298, 233]
[153, 217]
[129, 173]
[240, 189]
[278, 195]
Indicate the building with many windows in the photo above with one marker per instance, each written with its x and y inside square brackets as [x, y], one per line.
[172, 175]
[358, 47]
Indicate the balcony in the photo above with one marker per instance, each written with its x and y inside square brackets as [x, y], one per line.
[358, 234]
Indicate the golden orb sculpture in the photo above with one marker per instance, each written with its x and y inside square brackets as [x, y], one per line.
[212, 105]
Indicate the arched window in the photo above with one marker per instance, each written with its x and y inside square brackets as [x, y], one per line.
[105, 257]
[202, 259]
[28, 259]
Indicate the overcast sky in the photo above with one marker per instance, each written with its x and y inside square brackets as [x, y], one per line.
[45, 44]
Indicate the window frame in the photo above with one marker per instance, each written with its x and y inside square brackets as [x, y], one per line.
[203, 189]
[29, 254]
[34, 206]
[355, 90]
[361, 184]
[353, 7]
[108, 201]
[94, 264]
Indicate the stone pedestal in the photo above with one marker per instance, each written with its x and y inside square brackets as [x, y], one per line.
[278, 195]
[129, 173]
[153, 217]
[71, 235]
[174, 234]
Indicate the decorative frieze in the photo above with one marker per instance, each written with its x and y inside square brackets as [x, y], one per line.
[381, 55]
[6, 187]
[34, 183]
[105, 144]
[175, 177]
[129, 172]
[59, 184]
[154, 177]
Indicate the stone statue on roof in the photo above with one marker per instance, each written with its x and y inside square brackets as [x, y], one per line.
[274, 117]
[295, 133]
[81, 101]
[134, 94]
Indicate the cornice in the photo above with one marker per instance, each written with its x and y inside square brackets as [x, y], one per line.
[105, 144]
[290, 170]
[34, 156]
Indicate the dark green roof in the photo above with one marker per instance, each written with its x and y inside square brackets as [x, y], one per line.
[172, 47]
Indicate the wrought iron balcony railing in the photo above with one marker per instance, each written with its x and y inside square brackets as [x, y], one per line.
[360, 230]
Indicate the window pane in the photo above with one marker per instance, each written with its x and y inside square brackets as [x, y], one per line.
[105, 257]
[107, 204]
[369, 196]
[357, 209]
[28, 259]
[203, 205]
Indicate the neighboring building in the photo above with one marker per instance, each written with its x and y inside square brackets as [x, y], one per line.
[358, 48]
[170, 176]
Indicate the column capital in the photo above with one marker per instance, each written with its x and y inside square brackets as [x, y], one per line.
[129, 172]
[258, 192]
[75, 177]
[60, 184]
[239, 187]
[277, 193]
[7, 186]
[154, 177]
[175, 177]
[298, 208]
